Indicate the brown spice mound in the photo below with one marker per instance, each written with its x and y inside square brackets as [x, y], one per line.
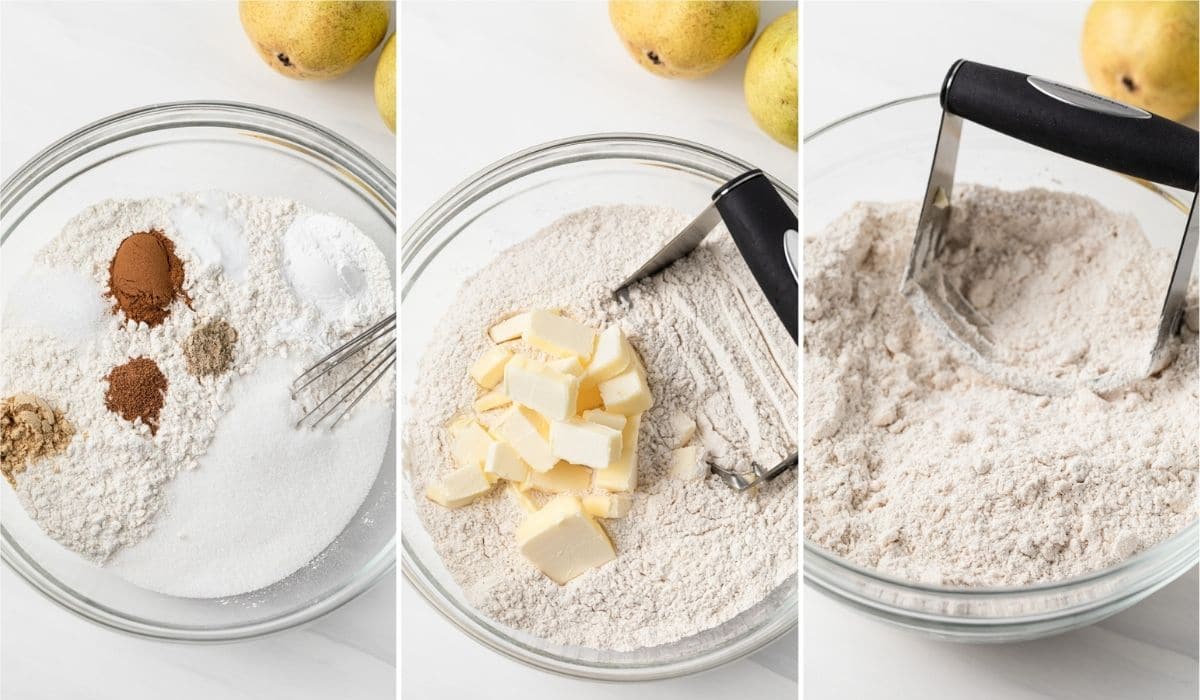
[145, 276]
[137, 389]
[30, 429]
[209, 349]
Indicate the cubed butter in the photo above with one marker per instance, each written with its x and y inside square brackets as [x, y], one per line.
[567, 365]
[491, 400]
[563, 478]
[523, 501]
[622, 474]
[612, 355]
[510, 328]
[488, 370]
[559, 335]
[470, 444]
[613, 505]
[589, 395]
[563, 541]
[459, 488]
[504, 462]
[688, 463]
[626, 393]
[616, 421]
[683, 429]
[535, 385]
[519, 428]
[584, 442]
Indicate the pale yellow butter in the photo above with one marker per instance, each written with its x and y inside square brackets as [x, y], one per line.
[616, 421]
[612, 355]
[535, 385]
[459, 488]
[622, 475]
[626, 393]
[488, 370]
[519, 428]
[510, 328]
[683, 428]
[563, 541]
[584, 442]
[567, 365]
[563, 478]
[504, 462]
[687, 463]
[559, 335]
[589, 396]
[470, 443]
[491, 400]
[523, 501]
[613, 505]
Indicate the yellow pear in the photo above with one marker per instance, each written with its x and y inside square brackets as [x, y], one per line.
[1144, 53]
[313, 40]
[770, 82]
[683, 38]
[385, 83]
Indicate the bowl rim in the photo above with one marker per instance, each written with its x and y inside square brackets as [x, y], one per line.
[1184, 541]
[259, 121]
[416, 236]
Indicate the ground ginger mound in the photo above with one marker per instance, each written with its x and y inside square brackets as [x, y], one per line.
[30, 429]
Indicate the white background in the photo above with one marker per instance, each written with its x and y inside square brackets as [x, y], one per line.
[63, 65]
[858, 55]
[480, 81]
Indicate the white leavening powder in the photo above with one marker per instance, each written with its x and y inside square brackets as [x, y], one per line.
[921, 467]
[690, 554]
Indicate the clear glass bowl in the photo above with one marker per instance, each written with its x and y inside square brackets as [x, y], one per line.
[883, 154]
[182, 147]
[490, 211]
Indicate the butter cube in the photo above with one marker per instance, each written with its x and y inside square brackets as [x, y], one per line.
[470, 444]
[509, 328]
[626, 393]
[519, 428]
[488, 370]
[612, 355]
[563, 478]
[616, 421]
[491, 400]
[504, 462]
[584, 442]
[459, 488]
[567, 365]
[563, 541]
[687, 463]
[683, 429]
[534, 385]
[622, 474]
[559, 335]
[523, 501]
[613, 505]
[589, 396]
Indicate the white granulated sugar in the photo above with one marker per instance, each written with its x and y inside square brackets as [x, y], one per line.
[106, 490]
[921, 467]
[270, 495]
[690, 554]
[57, 301]
[214, 237]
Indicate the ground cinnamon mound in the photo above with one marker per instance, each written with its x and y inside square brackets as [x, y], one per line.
[145, 276]
[137, 389]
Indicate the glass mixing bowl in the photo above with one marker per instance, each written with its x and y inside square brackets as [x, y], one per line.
[883, 154]
[181, 147]
[490, 211]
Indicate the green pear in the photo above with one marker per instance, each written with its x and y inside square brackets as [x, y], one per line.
[683, 38]
[385, 83]
[770, 82]
[1144, 53]
[310, 40]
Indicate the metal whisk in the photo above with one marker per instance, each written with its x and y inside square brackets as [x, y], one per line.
[368, 374]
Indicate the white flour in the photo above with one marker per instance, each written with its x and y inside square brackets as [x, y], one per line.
[106, 491]
[922, 468]
[690, 555]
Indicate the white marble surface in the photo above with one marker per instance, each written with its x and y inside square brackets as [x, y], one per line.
[480, 81]
[859, 55]
[64, 65]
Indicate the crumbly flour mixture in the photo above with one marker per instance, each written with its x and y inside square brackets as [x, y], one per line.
[690, 555]
[60, 340]
[921, 467]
